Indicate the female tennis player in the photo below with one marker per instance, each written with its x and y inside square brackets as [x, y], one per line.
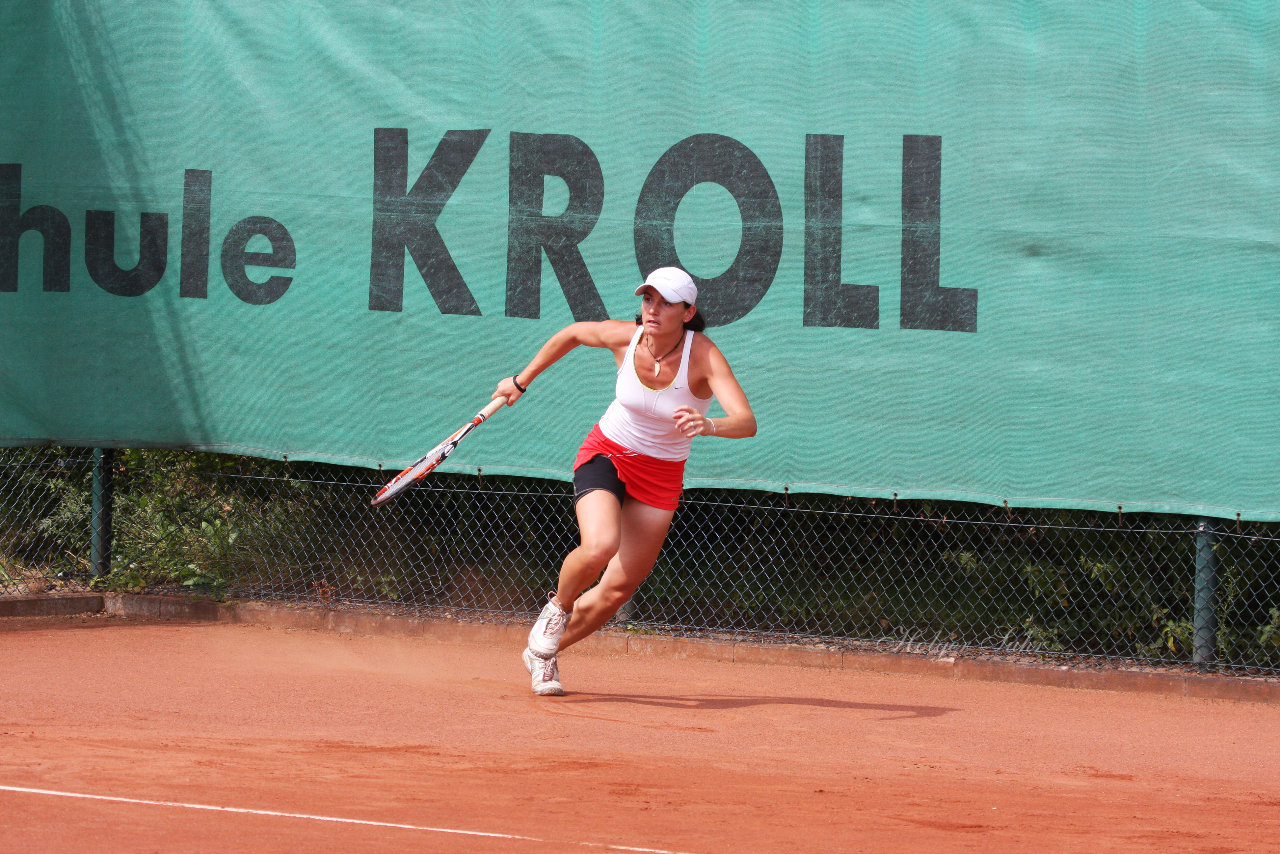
[629, 473]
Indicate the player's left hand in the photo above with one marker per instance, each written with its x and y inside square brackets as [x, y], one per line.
[690, 422]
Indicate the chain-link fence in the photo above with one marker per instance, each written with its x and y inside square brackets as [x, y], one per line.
[1113, 589]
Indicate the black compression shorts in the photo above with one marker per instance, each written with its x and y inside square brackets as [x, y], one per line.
[598, 473]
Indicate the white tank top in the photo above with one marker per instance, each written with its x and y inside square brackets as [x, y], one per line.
[642, 418]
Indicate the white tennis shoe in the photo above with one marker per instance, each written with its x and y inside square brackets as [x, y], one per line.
[545, 673]
[544, 637]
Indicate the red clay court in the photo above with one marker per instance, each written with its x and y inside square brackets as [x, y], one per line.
[133, 735]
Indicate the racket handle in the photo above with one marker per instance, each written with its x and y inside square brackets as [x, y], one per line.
[494, 405]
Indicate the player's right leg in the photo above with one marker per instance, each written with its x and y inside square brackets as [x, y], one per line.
[599, 523]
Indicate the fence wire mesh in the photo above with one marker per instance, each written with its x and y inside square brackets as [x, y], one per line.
[1103, 589]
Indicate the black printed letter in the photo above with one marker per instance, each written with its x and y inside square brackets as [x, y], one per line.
[197, 195]
[530, 232]
[100, 253]
[235, 259]
[925, 305]
[827, 302]
[49, 221]
[407, 220]
[722, 160]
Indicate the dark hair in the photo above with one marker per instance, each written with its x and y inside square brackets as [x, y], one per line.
[697, 324]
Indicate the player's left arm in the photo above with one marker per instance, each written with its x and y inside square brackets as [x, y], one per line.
[712, 372]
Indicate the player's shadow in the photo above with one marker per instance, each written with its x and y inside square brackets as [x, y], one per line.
[721, 703]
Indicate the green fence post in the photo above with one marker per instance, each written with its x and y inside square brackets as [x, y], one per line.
[1206, 616]
[100, 522]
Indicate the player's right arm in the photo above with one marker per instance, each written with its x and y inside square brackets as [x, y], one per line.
[614, 335]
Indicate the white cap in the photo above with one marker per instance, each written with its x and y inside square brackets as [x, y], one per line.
[674, 284]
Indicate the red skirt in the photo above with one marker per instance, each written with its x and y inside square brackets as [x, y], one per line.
[649, 480]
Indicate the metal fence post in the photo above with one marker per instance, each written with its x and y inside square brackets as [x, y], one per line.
[1206, 616]
[100, 522]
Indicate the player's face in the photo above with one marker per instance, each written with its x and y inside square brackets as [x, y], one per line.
[661, 317]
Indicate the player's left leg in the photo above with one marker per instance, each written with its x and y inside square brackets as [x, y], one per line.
[644, 530]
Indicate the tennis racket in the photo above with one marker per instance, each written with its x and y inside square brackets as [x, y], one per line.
[435, 456]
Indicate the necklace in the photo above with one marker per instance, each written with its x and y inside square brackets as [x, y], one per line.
[657, 360]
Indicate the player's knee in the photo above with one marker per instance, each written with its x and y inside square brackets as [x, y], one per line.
[598, 551]
[613, 598]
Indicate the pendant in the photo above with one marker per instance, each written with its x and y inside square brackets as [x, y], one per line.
[655, 368]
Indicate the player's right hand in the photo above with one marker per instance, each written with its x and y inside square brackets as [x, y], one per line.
[507, 388]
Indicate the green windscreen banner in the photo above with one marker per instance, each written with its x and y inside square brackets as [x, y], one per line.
[1016, 252]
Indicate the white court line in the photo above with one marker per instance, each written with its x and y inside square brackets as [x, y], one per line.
[337, 820]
